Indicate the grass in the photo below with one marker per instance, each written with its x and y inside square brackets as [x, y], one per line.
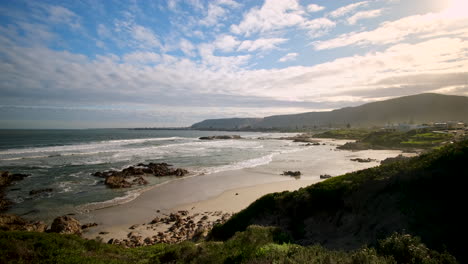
[255, 245]
[413, 139]
[344, 134]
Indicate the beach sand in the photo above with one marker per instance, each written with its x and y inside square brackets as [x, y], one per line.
[215, 194]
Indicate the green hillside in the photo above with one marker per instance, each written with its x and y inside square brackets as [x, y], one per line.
[423, 196]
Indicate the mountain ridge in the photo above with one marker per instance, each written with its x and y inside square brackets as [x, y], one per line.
[420, 108]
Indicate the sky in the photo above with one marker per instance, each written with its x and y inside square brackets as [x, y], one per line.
[142, 63]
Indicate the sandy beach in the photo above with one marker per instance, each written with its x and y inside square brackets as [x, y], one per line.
[217, 194]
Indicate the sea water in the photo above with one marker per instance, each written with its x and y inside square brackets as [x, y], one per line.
[64, 160]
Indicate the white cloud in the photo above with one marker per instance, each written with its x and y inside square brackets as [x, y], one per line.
[172, 5]
[314, 8]
[273, 15]
[226, 43]
[276, 15]
[364, 15]
[396, 31]
[145, 36]
[140, 57]
[347, 9]
[220, 62]
[187, 47]
[319, 26]
[230, 3]
[62, 15]
[214, 13]
[261, 44]
[289, 57]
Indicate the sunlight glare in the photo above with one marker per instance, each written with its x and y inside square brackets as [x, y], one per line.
[456, 9]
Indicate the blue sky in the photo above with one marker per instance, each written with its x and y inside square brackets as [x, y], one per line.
[84, 64]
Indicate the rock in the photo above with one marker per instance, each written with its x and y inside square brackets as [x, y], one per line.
[134, 226]
[39, 191]
[362, 160]
[88, 225]
[155, 220]
[66, 225]
[221, 137]
[295, 174]
[117, 179]
[6, 178]
[140, 181]
[10, 222]
[103, 233]
[325, 176]
[117, 182]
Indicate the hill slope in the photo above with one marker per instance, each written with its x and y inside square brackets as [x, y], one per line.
[424, 196]
[420, 108]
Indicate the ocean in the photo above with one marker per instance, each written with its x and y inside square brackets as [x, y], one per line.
[64, 161]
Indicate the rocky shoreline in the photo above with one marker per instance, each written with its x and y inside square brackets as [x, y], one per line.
[173, 228]
[6, 179]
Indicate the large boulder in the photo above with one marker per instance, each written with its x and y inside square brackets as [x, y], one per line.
[66, 225]
[117, 182]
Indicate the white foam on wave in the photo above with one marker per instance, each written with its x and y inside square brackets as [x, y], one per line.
[250, 163]
[87, 146]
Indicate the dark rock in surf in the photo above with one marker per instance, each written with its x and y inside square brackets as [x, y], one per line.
[117, 182]
[39, 191]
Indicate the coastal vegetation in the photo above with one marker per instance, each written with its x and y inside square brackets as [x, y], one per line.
[407, 211]
[416, 139]
[420, 195]
[254, 245]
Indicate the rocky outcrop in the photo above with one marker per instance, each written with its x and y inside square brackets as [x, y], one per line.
[88, 225]
[134, 174]
[66, 225]
[221, 137]
[363, 160]
[295, 174]
[325, 176]
[10, 222]
[6, 179]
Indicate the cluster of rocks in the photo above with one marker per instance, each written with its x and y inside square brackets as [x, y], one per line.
[6, 179]
[304, 138]
[221, 137]
[312, 144]
[173, 228]
[363, 160]
[325, 176]
[63, 225]
[295, 174]
[134, 174]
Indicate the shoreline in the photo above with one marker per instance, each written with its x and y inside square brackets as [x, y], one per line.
[214, 195]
